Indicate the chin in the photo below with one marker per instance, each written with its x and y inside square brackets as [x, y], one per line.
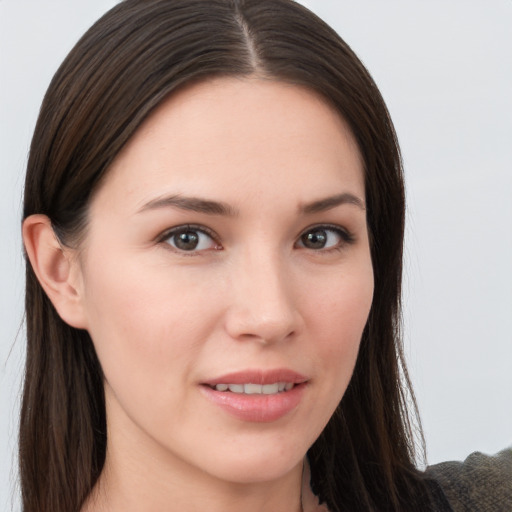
[253, 466]
[257, 472]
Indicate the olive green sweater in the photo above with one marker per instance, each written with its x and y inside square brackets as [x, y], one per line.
[481, 483]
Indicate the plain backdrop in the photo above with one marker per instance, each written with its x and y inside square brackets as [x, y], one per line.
[445, 71]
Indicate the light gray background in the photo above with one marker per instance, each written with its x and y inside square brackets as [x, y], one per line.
[445, 70]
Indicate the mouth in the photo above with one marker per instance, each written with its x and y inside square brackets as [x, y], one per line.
[254, 389]
[257, 395]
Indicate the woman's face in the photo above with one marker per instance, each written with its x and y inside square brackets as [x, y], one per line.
[228, 248]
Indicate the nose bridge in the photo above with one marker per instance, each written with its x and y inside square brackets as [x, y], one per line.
[262, 305]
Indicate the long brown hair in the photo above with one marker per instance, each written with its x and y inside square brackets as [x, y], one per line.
[117, 74]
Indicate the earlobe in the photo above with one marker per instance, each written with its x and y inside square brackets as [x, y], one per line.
[56, 269]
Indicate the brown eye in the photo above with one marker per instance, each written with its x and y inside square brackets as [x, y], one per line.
[186, 241]
[190, 239]
[314, 239]
[323, 237]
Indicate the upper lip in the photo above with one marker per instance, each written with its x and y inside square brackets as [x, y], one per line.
[258, 376]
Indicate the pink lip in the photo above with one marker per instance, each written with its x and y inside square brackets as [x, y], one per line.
[258, 377]
[257, 408]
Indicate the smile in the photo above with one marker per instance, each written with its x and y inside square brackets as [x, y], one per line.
[255, 389]
[257, 395]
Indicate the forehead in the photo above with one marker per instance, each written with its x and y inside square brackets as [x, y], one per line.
[235, 138]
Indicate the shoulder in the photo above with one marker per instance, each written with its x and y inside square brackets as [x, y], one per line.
[480, 483]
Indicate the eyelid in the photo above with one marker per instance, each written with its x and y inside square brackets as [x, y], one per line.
[168, 233]
[346, 236]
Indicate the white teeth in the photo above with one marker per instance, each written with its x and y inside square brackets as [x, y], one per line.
[252, 389]
[256, 389]
[236, 388]
[270, 389]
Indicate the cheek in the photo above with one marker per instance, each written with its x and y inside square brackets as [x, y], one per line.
[341, 311]
[143, 321]
[336, 321]
[143, 318]
[338, 318]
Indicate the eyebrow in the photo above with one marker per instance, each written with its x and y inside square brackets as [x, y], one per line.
[196, 204]
[331, 202]
[193, 204]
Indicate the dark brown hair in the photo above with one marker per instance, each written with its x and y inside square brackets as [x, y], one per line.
[117, 74]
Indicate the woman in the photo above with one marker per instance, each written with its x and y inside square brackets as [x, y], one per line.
[214, 223]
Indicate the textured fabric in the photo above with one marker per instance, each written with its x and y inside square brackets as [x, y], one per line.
[438, 500]
[481, 483]
[310, 502]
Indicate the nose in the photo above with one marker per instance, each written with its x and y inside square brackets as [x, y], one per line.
[263, 305]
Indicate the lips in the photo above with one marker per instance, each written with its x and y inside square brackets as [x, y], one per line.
[257, 395]
[261, 377]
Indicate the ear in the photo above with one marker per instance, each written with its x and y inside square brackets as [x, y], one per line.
[56, 268]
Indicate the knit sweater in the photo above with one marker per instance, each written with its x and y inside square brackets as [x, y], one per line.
[481, 483]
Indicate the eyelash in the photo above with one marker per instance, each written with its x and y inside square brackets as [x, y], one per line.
[346, 238]
[168, 234]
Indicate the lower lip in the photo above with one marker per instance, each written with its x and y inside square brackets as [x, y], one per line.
[256, 408]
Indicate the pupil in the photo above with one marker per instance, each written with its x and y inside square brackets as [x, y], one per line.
[315, 239]
[187, 241]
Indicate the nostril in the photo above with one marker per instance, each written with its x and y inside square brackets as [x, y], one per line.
[262, 308]
[263, 333]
